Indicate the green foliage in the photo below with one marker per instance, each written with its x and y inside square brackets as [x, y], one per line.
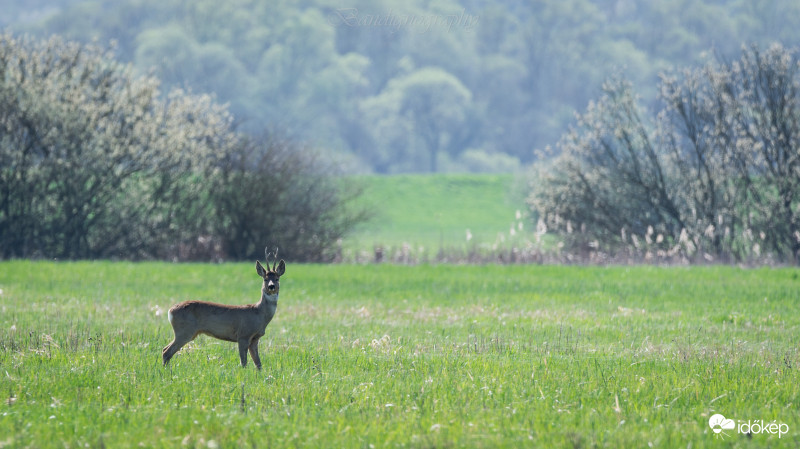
[96, 162]
[328, 73]
[469, 356]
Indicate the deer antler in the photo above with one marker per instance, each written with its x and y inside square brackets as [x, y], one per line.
[274, 255]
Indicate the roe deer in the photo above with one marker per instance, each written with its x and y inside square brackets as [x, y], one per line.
[241, 324]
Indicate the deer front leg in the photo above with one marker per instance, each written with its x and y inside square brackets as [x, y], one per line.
[254, 352]
[243, 344]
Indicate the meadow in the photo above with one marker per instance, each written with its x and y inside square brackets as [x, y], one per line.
[434, 211]
[402, 356]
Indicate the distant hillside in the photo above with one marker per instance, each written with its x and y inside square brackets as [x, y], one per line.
[434, 210]
[411, 86]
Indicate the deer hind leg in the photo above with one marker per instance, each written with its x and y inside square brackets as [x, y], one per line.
[243, 344]
[254, 352]
[178, 342]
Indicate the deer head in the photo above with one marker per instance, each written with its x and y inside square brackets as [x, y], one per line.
[272, 275]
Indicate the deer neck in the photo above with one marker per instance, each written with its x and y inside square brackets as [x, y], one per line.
[268, 303]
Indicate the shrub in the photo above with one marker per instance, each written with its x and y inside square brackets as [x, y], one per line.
[94, 162]
[715, 174]
[276, 192]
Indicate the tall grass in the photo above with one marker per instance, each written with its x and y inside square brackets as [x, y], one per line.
[398, 356]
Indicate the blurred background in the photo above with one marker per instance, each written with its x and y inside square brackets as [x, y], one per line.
[395, 86]
[547, 130]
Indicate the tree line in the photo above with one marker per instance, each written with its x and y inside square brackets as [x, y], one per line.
[413, 86]
[95, 161]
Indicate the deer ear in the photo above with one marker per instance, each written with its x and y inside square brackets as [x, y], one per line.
[281, 268]
[260, 270]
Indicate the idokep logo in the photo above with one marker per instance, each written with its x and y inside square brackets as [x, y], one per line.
[719, 424]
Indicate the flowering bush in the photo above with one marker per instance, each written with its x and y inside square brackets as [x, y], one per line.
[715, 175]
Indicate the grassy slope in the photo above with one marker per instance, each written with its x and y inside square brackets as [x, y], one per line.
[431, 210]
[496, 356]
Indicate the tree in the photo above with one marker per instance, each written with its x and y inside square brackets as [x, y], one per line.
[610, 177]
[427, 111]
[719, 170]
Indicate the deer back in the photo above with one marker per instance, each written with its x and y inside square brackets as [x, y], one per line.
[225, 322]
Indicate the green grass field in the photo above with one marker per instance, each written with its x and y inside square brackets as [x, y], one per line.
[437, 210]
[402, 356]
